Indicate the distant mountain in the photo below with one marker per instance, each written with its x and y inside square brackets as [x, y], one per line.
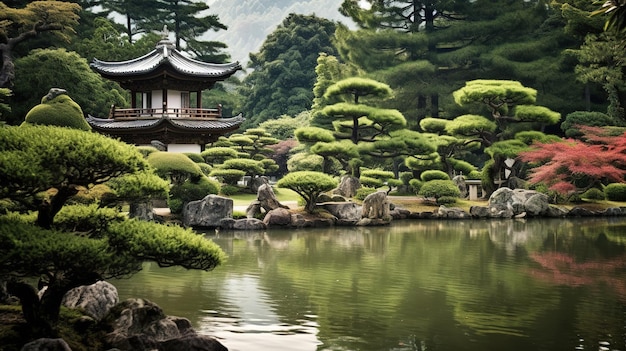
[250, 21]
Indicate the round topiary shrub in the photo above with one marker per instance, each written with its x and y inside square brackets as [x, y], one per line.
[593, 194]
[370, 182]
[615, 192]
[439, 188]
[58, 109]
[433, 174]
[416, 185]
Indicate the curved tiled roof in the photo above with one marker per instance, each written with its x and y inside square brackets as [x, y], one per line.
[182, 124]
[164, 54]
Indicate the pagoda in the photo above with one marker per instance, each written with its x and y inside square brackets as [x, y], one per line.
[166, 97]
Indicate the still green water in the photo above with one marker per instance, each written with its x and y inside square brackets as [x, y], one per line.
[415, 285]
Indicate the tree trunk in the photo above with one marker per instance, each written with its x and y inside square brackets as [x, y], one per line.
[7, 72]
[47, 210]
[31, 307]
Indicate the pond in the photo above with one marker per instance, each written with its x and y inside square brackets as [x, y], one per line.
[548, 284]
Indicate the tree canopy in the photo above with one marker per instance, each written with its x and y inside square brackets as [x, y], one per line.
[284, 68]
[20, 24]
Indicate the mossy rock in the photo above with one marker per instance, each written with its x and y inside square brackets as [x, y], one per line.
[58, 109]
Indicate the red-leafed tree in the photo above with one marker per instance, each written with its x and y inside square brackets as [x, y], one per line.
[572, 165]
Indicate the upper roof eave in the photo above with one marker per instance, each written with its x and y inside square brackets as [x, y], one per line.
[165, 56]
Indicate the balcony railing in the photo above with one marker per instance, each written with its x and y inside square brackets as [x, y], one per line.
[177, 113]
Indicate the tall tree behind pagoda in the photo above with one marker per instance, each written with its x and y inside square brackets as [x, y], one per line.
[136, 13]
[284, 68]
[188, 21]
[429, 56]
[18, 25]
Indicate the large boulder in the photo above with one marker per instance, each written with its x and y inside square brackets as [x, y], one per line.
[207, 212]
[267, 198]
[348, 186]
[344, 211]
[141, 325]
[95, 299]
[376, 206]
[507, 203]
[278, 217]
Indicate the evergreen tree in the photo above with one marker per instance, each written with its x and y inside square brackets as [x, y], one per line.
[21, 24]
[284, 75]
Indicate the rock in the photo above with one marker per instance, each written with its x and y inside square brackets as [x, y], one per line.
[323, 198]
[479, 211]
[277, 217]
[140, 325]
[95, 299]
[207, 212]
[253, 209]
[47, 345]
[348, 186]
[612, 211]
[452, 213]
[507, 203]
[501, 196]
[267, 198]
[298, 220]
[344, 211]
[459, 180]
[580, 212]
[537, 204]
[376, 206]
[254, 184]
[556, 212]
[141, 210]
[249, 224]
[400, 213]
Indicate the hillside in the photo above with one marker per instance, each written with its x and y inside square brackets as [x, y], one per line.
[250, 21]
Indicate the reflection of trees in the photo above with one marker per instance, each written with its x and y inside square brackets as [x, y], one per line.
[433, 284]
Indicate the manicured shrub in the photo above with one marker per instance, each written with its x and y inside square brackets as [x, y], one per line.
[433, 174]
[615, 192]
[59, 111]
[228, 190]
[309, 185]
[416, 185]
[438, 188]
[362, 193]
[593, 194]
[195, 157]
[446, 200]
[173, 166]
[217, 155]
[370, 182]
[205, 168]
[228, 176]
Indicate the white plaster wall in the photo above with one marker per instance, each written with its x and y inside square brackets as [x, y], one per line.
[157, 99]
[183, 148]
[173, 99]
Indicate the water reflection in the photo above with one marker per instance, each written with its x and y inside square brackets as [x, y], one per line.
[417, 285]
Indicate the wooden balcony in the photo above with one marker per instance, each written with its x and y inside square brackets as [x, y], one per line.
[122, 114]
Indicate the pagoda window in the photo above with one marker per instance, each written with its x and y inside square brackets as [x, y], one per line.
[185, 99]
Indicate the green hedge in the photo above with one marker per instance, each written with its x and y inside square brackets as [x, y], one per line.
[615, 192]
[191, 191]
[439, 188]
